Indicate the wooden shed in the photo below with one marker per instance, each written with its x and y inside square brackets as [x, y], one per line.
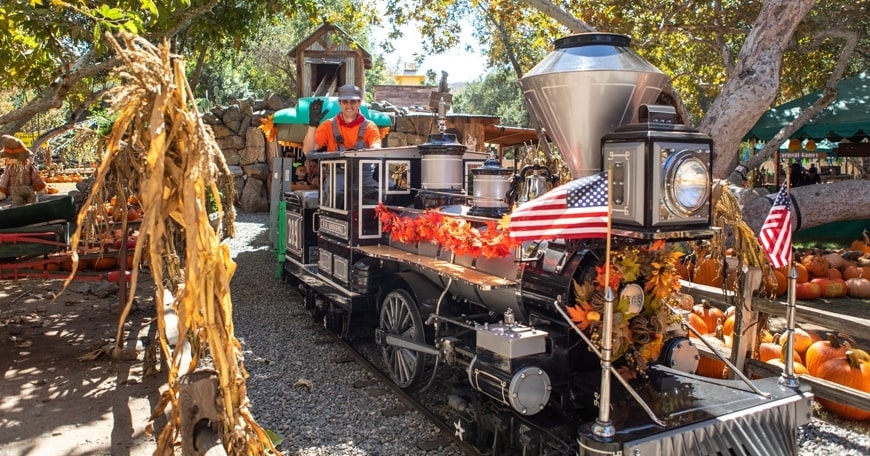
[328, 59]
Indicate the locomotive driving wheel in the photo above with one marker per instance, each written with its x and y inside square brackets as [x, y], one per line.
[400, 317]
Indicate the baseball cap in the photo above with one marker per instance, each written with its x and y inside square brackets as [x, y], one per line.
[349, 92]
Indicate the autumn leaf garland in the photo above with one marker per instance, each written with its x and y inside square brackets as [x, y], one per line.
[460, 236]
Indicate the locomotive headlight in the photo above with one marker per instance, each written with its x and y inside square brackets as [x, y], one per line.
[661, 180]
[687, 182]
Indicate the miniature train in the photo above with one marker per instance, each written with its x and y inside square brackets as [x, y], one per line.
[528, 381]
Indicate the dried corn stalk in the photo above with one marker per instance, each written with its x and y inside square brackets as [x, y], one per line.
[173, 160]
[728, 216]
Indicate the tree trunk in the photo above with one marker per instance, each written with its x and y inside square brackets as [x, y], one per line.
[752, 88]
[814, 205]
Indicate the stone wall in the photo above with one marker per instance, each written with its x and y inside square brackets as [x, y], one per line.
[236, 129]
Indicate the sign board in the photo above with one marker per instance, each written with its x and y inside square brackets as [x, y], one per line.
[853, 150]
[802, 154]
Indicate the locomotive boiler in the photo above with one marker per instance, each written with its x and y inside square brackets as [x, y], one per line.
[523, 327]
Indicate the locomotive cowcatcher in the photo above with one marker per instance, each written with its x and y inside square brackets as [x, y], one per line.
[523, 331]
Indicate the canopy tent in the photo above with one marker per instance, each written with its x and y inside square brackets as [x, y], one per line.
[848, 116]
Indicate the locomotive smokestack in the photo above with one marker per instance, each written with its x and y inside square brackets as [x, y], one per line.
[588, 86]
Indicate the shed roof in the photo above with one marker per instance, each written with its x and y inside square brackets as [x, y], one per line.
[324, 29]
[848, 116]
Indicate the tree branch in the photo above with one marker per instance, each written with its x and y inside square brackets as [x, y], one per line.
[829, 94]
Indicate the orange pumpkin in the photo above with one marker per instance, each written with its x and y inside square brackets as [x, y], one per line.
[797, 368]
[834, 274]
[776, 283]
[728, 325]
[807, 290]
[860, 246]
[683, 270]
[823, 350]
[817, 265]
[852, 371]
[802, 341]
[695, 321]
[104, 263]
[852, 272]
[711, 366]
[708, 272]
[710, 314]
[768, 351]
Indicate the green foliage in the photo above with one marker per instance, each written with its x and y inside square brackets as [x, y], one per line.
[496, 94]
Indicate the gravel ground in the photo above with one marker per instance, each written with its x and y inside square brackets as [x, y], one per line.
[303, 387]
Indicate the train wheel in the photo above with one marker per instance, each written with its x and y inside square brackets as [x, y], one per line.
[400, 317]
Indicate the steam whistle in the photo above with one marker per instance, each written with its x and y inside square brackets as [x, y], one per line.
[535, 180]
[442, 115]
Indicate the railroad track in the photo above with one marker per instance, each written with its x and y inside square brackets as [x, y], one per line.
[372, 365]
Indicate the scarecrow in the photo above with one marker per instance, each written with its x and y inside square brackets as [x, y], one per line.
[21, 180]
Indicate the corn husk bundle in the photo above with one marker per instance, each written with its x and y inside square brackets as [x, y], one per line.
[160, 148]
[728, 215]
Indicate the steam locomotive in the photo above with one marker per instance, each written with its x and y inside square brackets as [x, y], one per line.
[533, 378]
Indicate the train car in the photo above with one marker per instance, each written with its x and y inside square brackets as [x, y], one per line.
[525, 325]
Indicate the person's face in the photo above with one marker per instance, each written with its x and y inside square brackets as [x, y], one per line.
[350, 108]
[311, 165]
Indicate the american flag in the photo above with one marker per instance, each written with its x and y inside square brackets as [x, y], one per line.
[575, 210]
[775, 234]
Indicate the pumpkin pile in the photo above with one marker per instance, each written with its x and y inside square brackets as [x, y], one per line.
[834, 358]
[63, 177]
[819, 275]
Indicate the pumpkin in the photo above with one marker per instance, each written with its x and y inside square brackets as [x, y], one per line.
[774, 350]
[850, 371]
[858, 287]
[696, 322]
[728, 325]
[802, 340]
[710, 314]
[803, 275]
[823, 350]
[797, 368]
[712, 366]
[832, 288]
[708, 272]
[768, 351]
[835, 260]
[683, 270]
[860, 246]
[807, 290]
[834, 274]
[852, 272]
[104, 263]
[817, 265]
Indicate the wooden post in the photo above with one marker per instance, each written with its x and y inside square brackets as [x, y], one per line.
[198, 396]
[744, 317]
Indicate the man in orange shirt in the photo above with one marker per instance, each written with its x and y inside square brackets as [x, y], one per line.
[348, 130]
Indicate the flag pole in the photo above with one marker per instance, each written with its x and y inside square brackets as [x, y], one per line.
[603, 426]
[789, 379]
